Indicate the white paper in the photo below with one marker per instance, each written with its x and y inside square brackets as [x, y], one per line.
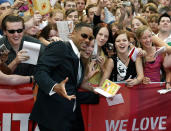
[115, 100]
[160, 51]
[64, 29]
[102, 92]
[33, 50]
[53, 2]
[164, 91]
[94, 54]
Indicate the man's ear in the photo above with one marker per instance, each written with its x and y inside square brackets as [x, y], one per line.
[73, 33]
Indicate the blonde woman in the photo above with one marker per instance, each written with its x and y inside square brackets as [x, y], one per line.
[152, 63]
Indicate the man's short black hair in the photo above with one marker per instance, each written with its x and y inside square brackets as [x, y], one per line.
[78, 26]
[11, 18]
[163, 15]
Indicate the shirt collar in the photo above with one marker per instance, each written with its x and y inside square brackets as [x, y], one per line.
[75, 49]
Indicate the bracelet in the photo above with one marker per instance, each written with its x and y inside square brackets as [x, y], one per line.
[31, 79]
[167, 82]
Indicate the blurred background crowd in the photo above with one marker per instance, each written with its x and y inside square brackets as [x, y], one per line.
[120, 27]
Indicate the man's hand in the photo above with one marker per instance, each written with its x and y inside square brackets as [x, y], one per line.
[18, 3]
[37, 17]
[60, 90]
[21, 56]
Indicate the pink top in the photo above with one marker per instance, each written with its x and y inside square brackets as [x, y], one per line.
[152, 69]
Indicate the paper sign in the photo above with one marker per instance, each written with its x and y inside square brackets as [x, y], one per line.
[164, 91]
[33, 50]
[115, 100]
[108, 89]
[160, 51]
[64, 29]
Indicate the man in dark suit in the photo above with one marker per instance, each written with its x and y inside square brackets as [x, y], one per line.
[59, 73]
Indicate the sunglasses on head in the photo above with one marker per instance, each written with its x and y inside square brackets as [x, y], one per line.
[85, 36]
[13, 31]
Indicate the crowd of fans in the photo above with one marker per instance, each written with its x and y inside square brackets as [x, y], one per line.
[141, 24]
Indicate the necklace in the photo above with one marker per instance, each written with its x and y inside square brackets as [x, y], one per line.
[150, 55]
[124, 60]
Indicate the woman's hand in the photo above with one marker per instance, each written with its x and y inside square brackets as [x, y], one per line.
[101, 61]
[146, 80]
[168, 86]
[55, 38]
[141, 52]
[92, 70]
[132, 82]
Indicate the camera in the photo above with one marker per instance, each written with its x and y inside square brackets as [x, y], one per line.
[110, 46]
[3, 49]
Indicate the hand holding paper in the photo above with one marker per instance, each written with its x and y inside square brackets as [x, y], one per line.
[21, 56]
[32, 51]
[160, 51]
[108, 89]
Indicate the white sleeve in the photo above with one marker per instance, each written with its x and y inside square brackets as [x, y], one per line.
[51, 91]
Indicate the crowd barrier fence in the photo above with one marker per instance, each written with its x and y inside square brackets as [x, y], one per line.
[132, 109]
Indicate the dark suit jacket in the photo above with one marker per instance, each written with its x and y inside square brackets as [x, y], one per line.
[58, 62]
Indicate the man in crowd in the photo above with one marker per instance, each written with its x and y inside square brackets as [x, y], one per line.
[164, 25]
[80, 8]
[59, 74]
[13, 29]
[4, 6]
[69, 4]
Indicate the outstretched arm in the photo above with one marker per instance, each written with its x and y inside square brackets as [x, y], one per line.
[13, 79]
[158, 42]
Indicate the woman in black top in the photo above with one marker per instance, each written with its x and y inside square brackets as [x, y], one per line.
[120, 67]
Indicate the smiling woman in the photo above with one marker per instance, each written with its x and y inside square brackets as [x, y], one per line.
[152, 63]
[102, 34]
[120, 67]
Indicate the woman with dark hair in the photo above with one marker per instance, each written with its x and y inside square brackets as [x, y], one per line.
[120, 67]
[49, 34]
[103, 35]
[72, 15]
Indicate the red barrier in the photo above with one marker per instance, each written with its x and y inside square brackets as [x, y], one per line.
[143, 109]
[16, 103]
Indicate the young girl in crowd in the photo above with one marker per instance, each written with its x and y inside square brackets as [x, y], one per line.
[152, 63]
[140, 21]
[49, 34]
[102, 36]
[72, 15]
[120, 67]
